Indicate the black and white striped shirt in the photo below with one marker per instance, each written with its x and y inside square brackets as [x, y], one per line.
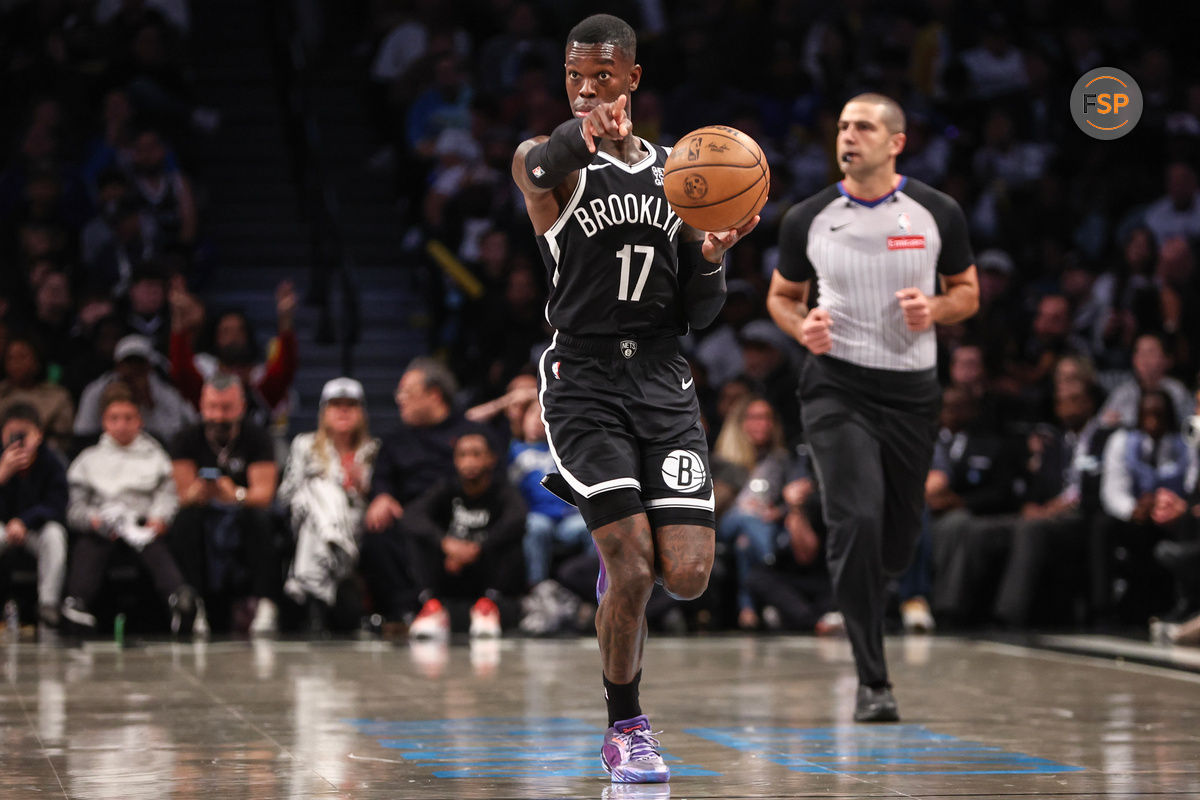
[861, 252]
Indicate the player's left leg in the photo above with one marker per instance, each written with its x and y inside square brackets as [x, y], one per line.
[683, 558]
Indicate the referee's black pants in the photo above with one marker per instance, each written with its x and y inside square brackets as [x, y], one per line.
[870, 433]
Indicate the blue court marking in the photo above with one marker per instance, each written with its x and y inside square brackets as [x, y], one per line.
[890, 750]
[501, 747]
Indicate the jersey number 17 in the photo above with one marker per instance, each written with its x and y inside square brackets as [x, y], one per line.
[626, 255]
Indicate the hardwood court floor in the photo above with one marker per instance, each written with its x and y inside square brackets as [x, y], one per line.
[742, 717]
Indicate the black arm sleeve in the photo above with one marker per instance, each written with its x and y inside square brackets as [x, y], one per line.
[703, 284]
[550, 162]
[793, 236]
[956, 254]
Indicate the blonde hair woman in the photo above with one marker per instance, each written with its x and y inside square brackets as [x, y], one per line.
[751, 454]
[325, 486]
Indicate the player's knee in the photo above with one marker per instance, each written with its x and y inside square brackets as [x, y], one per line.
[629, 574]
[686, 581]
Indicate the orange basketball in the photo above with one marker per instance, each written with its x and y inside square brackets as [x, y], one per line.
[716, 178]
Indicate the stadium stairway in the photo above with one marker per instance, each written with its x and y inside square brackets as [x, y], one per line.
[252, 216]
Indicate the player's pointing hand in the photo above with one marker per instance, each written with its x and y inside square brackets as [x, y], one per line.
[607, 121]
[915, 305]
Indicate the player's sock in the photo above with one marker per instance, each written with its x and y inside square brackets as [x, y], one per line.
[622, 699]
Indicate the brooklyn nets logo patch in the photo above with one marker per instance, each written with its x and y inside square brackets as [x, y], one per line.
[683, 471]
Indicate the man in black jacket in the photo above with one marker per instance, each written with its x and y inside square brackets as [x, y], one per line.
[33, 503]
[467, 533]
[411, 460]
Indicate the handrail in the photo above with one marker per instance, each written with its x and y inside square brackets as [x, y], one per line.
[331, 263]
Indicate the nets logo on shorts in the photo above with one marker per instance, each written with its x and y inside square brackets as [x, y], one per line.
[683, 471]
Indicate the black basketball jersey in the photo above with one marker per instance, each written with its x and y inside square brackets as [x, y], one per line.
[611, 256]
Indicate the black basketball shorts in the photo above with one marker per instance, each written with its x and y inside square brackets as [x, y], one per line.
[624, 414]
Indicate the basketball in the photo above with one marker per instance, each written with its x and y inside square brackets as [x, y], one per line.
[716, 178]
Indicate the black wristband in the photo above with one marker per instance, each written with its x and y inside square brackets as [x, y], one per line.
[549, 163]
[703, 285]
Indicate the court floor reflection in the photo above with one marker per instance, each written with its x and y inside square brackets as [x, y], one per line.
[743, 717]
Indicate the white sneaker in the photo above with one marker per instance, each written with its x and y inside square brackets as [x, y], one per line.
[831, 624]
[917, 617]
[432, 623]
[200, 629]
[485, 619]
[266, 618]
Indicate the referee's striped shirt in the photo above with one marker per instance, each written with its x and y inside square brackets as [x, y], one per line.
[861, 252]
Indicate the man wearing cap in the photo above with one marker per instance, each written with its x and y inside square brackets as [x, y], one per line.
[164, 411]
[324, 488]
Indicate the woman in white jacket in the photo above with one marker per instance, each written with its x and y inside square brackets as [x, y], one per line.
[122, 490]
[325, 486]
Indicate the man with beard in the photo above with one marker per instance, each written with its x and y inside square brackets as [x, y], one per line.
[222, 537]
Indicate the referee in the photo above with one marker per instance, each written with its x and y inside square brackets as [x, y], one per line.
[857, 284]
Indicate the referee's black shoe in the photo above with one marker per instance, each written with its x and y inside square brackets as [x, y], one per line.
[875, 705]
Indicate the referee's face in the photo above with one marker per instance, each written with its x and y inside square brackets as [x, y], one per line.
[864, 143]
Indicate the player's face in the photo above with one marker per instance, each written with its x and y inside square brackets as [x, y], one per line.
[863, 141]
[598, 73]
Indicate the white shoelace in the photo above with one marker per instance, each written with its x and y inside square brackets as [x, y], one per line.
[642, 745]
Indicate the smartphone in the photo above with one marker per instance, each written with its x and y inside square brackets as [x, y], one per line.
[209, 473]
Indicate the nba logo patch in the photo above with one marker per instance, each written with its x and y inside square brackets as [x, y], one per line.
[538, 172]
[904, 223]
[628, 348]
[554, 368]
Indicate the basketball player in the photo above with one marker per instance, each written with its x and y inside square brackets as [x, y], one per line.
[860, 266]
[627, 277]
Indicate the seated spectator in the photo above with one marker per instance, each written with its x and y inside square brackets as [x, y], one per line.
[467, 533]
[553, 527]
[1177, 213]
[163, 410]
[53, 322]
[1150, 367]
[1124, 300]
[1138, 463]
[767, 361]
[33, 503]
[144, 308]
[521, 392]
[123, 494]
[225, 476]
[970, 490]
[115, 202]
[26, 383]
[324, 488]
[410, 461]
[165, 192]
[750, 462]
[231, 348]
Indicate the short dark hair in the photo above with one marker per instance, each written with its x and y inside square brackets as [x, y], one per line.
[23, 412]
[605, 29]
[220, 381]
[893, 114]
[115, 392]
[436, 376]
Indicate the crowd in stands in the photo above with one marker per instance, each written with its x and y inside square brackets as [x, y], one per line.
[1064, 491]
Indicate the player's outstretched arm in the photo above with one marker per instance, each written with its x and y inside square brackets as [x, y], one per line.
[702, 273]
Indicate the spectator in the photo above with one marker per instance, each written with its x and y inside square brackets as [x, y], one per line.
[995, 67]
[1176, 214]
[324, 488]
[467, 534]
[164, 191]
[53, 322]
[25, 383]
[969, 490]
[767, 361]
[1138, 462]
[110, 267]
[1150, 367]
[33, 503]
[163, 411]
[410, 461]
[144, 307]
[1123, 301]
[553, 527]
[233, 350]
[225, 474]
[114, 194]
[122, 492]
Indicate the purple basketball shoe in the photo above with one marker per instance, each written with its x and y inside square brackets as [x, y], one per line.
[630, 753]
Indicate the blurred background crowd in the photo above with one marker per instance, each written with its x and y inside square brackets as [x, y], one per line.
[180, 180]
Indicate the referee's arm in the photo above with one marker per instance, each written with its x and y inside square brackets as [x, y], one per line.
[787, 303]
[958, 300]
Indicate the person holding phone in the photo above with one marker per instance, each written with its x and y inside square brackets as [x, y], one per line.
[222, 538]
[33, 502]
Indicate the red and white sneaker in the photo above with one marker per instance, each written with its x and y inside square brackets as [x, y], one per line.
[485, 619]
[432, 623]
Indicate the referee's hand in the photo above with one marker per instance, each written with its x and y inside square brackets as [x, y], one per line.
[917, 314]
[814, 331]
